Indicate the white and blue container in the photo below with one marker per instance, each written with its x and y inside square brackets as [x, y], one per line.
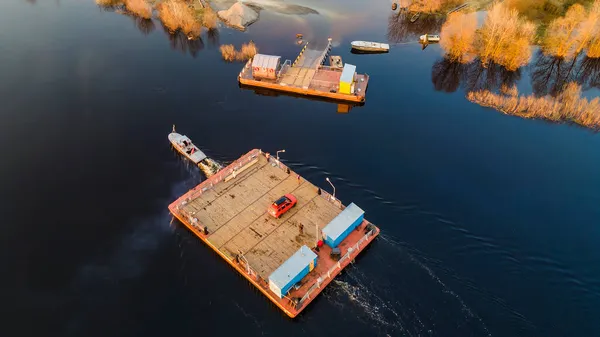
[339, 228]
[292, 271]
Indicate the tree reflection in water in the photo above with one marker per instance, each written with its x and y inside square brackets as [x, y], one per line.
[589, 73]
[213, 36]
[179, 41]
[146, 26]
[400, 29]
[550, 74]
[448, 76]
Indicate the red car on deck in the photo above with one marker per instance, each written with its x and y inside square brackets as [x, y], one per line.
[282, 205]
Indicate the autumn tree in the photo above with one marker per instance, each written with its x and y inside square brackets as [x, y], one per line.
[561, 39]
[542, 10]
[594, 48]
[139, 7]
[108, 3]
[590, 36]
[431, 6]
[177, 15]
[505, 38]
[588, 29]
[426, 5]
[457, 37]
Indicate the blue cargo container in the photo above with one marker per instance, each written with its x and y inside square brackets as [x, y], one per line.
[339, 228]
[292, 271]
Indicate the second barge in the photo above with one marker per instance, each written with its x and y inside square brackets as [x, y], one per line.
[290, 259]
[306, 76]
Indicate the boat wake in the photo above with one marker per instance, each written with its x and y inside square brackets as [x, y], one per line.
[376, 309]
[469, 317]
[403, 297]
[210, 167]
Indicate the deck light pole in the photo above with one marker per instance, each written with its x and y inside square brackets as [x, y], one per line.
[278, 162]
[329, 181]
[282, 151]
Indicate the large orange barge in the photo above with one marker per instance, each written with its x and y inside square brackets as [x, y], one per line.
[284, 258]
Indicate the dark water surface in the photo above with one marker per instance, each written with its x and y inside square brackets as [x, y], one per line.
[490, 223]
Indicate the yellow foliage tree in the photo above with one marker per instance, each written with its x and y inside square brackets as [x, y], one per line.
[426, 5]
[588, 29]
[505, 38]
[457, 37]
[594, 48]
[139, 7]
[176, 14]
[562, 33]
[591, 31]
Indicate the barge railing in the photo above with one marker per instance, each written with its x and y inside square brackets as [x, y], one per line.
[338, 265]
[329, 68]
[210, 182]
[284, 67]
[231, 170]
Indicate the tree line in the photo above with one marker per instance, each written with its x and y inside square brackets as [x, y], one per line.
[506, 37]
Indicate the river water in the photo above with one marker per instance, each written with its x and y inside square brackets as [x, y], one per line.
[490, 223]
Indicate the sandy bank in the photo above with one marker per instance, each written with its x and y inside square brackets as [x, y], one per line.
[238, 15]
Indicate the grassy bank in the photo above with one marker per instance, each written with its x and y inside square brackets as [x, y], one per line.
[568, 106]
[176, 15]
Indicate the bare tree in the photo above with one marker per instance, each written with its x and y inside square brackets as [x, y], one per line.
[457, 37]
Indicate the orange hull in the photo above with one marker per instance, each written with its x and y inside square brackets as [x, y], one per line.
[301, 91]
[325, 270]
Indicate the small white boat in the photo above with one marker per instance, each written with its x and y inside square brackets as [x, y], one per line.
[415, 17]
[185, 146]
[429, 38]
[370, 46]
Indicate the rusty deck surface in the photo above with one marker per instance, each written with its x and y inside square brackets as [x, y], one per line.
[232, 206]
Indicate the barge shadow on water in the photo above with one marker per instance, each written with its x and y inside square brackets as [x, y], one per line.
[342, 107]
[290, 259]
